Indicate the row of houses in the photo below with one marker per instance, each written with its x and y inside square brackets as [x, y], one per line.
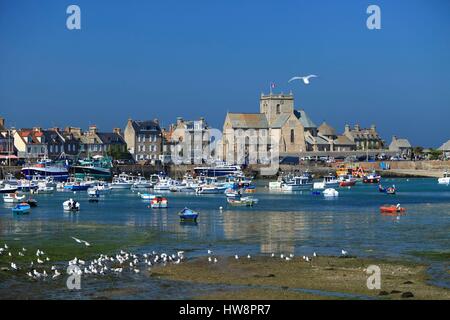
[278, 120]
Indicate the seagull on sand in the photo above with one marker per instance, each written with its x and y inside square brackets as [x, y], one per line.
[87, 244]
[236, 257]
[343, 252]
[305, 79]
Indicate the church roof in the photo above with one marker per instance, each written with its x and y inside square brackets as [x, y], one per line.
[248, 120]
[305, 119]
[280, 121]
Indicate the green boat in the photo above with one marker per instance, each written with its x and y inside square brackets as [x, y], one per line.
[99, 169]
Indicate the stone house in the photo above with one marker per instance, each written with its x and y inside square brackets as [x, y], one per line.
[364, 138]
[94, 142]
[337, 143]
[144, 139]
[401, 146]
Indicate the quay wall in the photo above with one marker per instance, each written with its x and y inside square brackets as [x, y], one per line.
[397, 168]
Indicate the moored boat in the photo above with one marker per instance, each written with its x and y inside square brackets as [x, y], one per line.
[13, 197]
[243, 201]
[347, 181]
[71, 205]
[297, 183]
[188, 215]
[330, 193]
[445, 179]
[372, 178]
[146, 196]
[159, 202]
[392, 209]
[21, 208]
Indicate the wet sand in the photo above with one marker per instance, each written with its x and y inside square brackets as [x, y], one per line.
[323, 278]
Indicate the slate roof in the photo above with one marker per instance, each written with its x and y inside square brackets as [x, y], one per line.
[110, 138]
[248, 120]
[398, 144]
[280, 121]
[343, 141]
[326, 130]
[306, 121]
[145, 126]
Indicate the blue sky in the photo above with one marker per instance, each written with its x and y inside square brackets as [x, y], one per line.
[163, 59]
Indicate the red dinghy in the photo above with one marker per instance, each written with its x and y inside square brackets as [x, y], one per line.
[392, 209]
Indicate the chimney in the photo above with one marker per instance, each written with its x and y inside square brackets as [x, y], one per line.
[357, 127]
[118, 131]
[93, 129]
[347, 128]
[156, 121]
[2, 122]
[179, 120]
[373, 127]
[37, 129]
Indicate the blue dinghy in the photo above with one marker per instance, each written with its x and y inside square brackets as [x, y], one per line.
[21, 208]
[188, 215]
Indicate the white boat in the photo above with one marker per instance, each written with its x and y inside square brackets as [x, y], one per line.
[141, 183]
[123, 181]
[244, 201]
[13, 198]
[330, 181]
[211, 189]
[219, 169]
[146, 196]
[297, 183]
[445, 179]
[7, 188]
[276, 185]
[330, 193]
[101, 187]
[71, 205]
[165, 184]
[44, 190]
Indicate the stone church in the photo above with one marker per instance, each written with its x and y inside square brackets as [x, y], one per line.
[291, 129]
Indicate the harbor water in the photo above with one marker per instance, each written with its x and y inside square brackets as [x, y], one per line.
[282, 222]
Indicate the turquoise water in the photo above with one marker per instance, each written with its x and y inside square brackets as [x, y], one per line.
[298, 223]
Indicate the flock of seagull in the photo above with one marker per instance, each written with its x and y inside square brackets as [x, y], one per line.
[39, 267]
[113, 264]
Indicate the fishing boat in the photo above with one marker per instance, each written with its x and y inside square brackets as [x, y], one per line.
[164, 184]
[71, 205]
[330, 181]
[159, 202]
[13, 198]
[249, 189]
[445, 179]
[96, 167]
[21, 208]
[188, 215]
[388, 190]
[101, 187]
[46, 168]
[243, 201]
[298, 183]
[392, 209]
[231, 193]
[372, 178]
[218, 169]
[347, 181]
[330, 193]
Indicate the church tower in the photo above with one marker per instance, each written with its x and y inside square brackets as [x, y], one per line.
[274, 105]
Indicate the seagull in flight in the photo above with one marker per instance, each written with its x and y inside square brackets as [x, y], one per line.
[305, 79]
[81, 241]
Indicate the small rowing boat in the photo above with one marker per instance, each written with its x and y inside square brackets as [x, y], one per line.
[243, 201]
[21, 208]
[392, 209]
[188, 215]
[159, 202]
